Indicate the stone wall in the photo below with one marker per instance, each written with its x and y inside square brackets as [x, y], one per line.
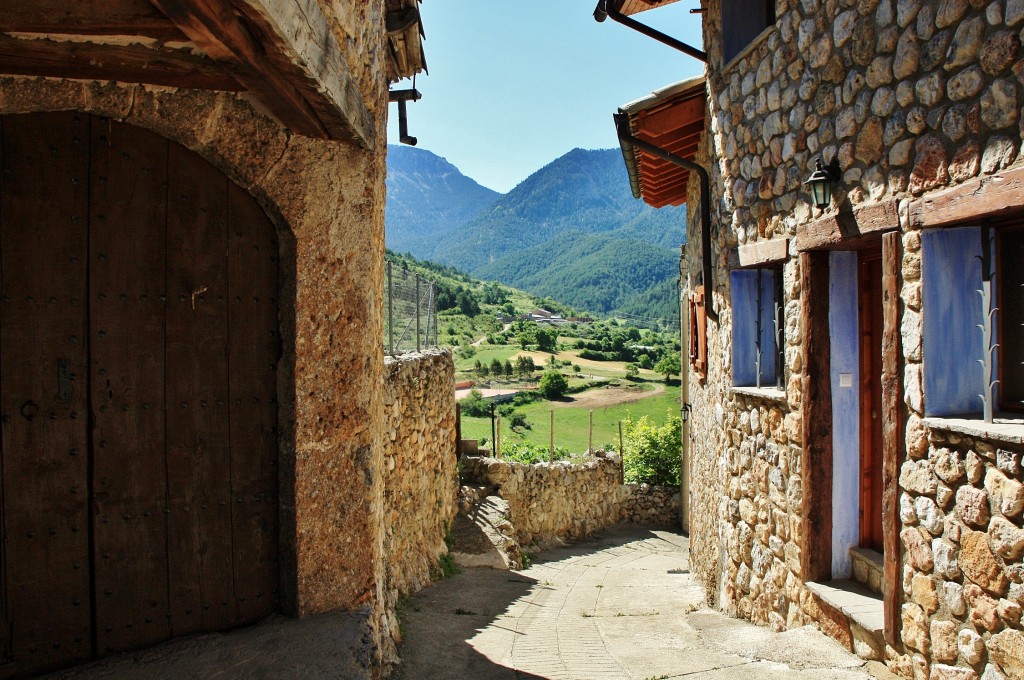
[420, 477]
[566, 501]
[909, 97]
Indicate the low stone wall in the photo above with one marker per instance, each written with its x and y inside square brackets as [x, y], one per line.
[648, 504]
[564, 501]
[420, 477]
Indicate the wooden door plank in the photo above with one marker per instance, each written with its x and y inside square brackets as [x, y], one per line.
[198, 444]
[254, 351]
[892, 432]
[43, 236]
[816, 412]
[127, 292]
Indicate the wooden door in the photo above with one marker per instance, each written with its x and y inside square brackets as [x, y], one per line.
[138, 347]
[869, 279]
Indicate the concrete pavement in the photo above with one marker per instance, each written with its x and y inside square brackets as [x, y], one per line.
[620, 607]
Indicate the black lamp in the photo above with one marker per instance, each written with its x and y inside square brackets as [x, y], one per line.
[820, 184]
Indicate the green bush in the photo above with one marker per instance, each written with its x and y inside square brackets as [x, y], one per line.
[475, 405]
[525, 452]
[653, 454]
[553, 385]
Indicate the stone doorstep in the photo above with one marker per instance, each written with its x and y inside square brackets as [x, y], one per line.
[868, 567]
[856, 602]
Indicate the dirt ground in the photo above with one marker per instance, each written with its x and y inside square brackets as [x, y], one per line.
[609, 396]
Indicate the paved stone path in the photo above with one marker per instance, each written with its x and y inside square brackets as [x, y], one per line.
[620, 607]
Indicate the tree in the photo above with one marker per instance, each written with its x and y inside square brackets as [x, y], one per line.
[645, 361]
[508, 368]
[547, 339]
[553, 385]
[632, 371]
[653, 454]
[477, 366]
[668, 365]
[527, 335]
[475, 405]
[497, 368]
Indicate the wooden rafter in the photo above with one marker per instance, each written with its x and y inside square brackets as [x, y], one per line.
[127, 63]
[87, 17]
[286, 55]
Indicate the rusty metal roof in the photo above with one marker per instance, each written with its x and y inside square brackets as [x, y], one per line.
[673, 119]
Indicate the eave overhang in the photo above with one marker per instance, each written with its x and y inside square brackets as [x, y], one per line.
[672, 119]
[285, 53]
[405, 40]
[630, 7]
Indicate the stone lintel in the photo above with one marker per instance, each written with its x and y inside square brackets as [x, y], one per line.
[764, 252]
[992, 196]
[844, 229]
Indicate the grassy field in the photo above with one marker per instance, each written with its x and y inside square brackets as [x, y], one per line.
[572, 423]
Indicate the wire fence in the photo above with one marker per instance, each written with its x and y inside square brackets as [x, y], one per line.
[410, 319]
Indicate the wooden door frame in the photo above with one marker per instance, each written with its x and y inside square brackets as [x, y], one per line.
[870, 322]
[816, 416]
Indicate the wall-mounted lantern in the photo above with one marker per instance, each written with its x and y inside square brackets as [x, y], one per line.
[820, 184]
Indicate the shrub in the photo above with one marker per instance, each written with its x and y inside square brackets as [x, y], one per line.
[653, 454]
[553, 385]
[475, 405]
[525, 452]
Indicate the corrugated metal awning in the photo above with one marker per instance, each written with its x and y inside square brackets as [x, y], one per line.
[672, 119]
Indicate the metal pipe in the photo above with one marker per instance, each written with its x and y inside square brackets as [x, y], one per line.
[607, 8]
[402, 97]
[622, 128]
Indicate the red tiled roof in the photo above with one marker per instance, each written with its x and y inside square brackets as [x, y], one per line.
[628, 7]
[672, 119]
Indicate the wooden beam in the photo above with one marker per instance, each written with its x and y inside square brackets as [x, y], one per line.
[126, 63]
[87, 17]
[285, 53]
[816, 412]
[842, 229]
[984, 197]
[892, 432]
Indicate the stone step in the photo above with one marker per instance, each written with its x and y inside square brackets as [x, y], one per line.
[864, 613]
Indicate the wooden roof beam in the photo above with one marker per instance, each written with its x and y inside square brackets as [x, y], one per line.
[87, 17]
[126, 63]
[284, 52]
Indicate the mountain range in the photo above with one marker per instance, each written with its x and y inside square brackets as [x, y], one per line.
[572, 230]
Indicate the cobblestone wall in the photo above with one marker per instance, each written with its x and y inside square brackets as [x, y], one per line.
[420, 477]
[566, 501]
[909, 97]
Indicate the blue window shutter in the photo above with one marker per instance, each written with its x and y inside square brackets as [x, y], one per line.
[744, 327]
[951, 306]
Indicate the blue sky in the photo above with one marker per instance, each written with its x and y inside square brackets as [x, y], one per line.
[515, 84]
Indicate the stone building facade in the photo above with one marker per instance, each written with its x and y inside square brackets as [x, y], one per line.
[238, 399]
[838, 432]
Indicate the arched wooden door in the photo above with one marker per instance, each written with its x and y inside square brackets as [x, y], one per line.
[138, 348]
